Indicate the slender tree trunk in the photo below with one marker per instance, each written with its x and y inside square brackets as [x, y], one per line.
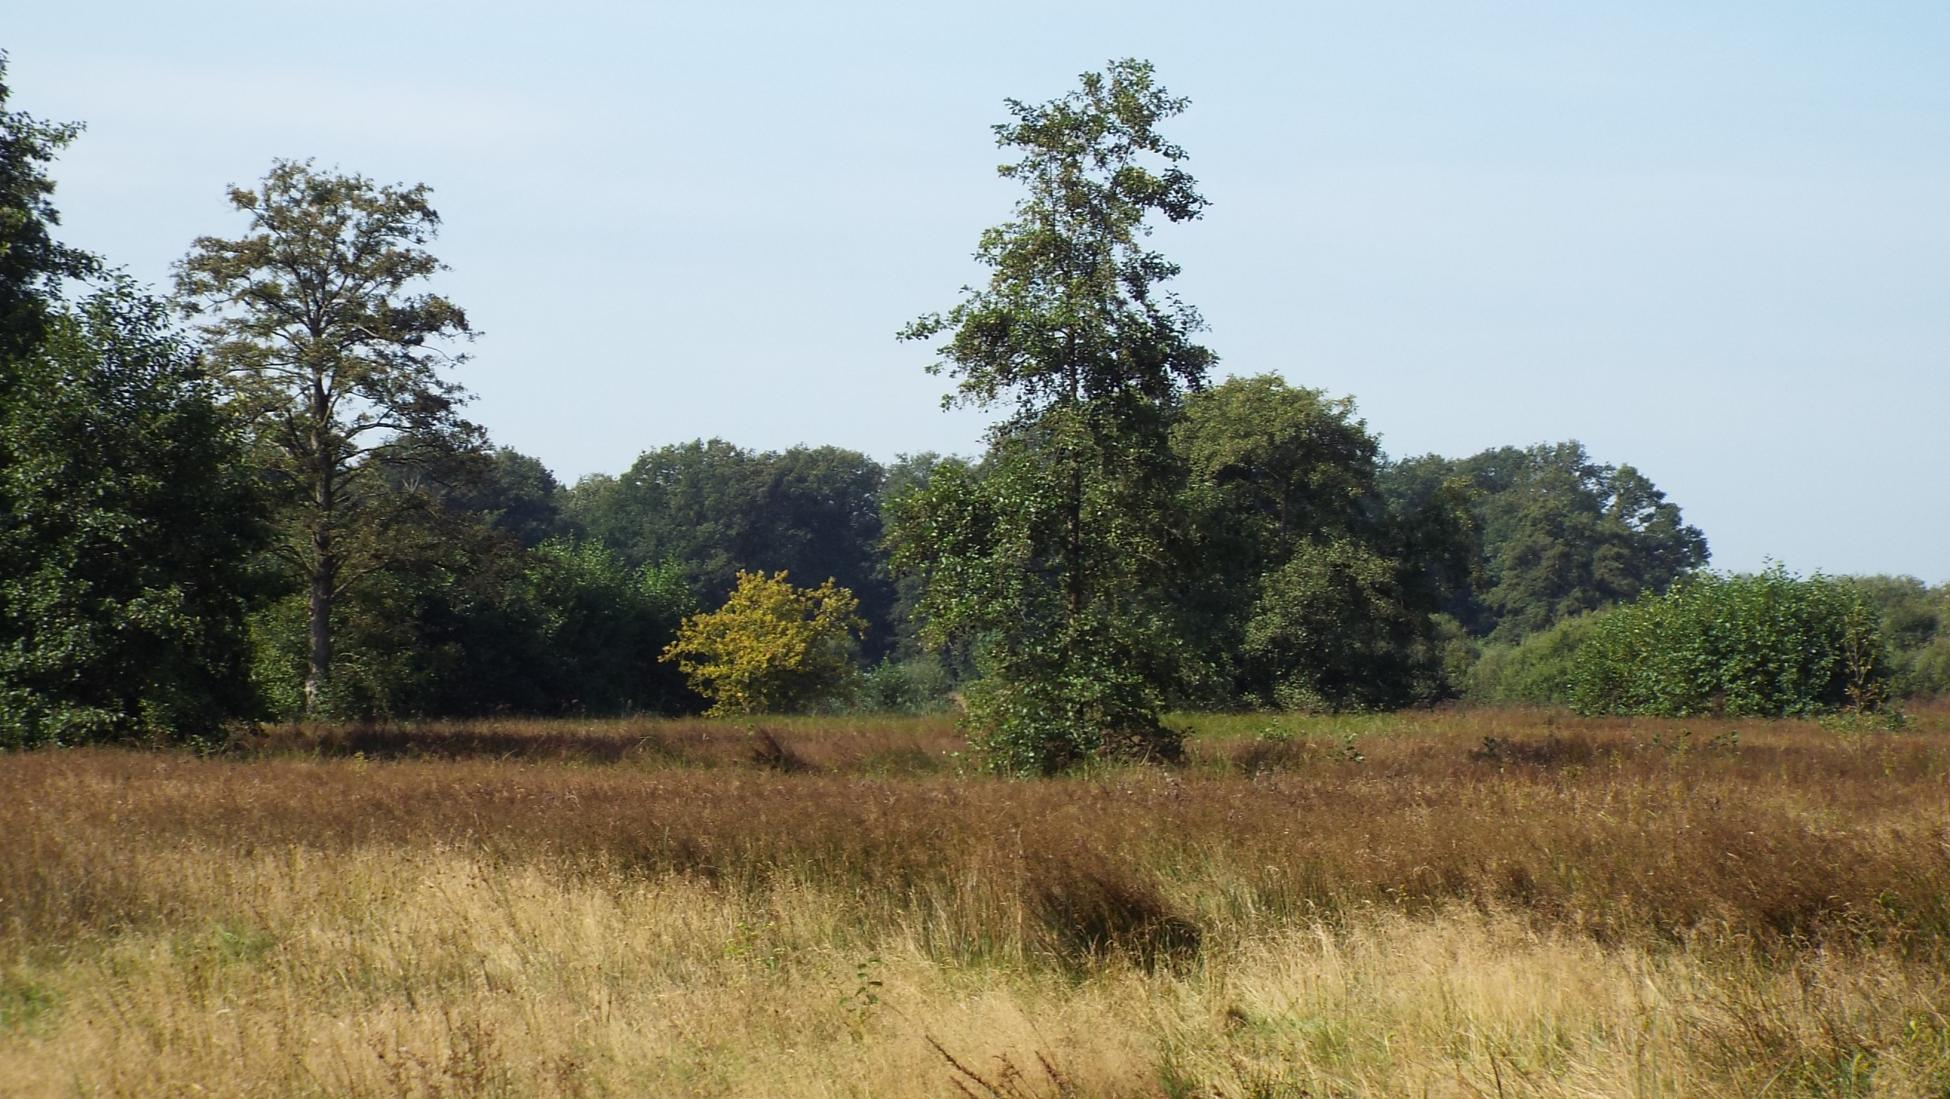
[1074, 592]
[324, 561]
[318, 669]
[1073, 551]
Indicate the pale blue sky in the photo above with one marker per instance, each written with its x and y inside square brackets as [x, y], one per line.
[1712, 240]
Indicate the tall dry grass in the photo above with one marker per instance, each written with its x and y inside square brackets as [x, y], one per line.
[1485, 903]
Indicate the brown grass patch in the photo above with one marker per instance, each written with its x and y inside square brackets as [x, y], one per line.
[1398, 905]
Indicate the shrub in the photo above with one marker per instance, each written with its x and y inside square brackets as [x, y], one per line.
[1767, 644]
[1537, 669]
[772, 648]
[1333, 630]
[1925, 672]
[916, 685]
[1916, 623]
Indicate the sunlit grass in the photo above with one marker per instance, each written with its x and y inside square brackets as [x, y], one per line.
[1466, 903]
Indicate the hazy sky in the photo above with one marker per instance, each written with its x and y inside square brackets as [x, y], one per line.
[1710, 240]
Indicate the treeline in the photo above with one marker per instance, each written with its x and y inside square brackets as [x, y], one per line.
[1326, 576]
[259, 499]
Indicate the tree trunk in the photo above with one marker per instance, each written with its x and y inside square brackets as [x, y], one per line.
[1073, 549]
[324, 563]
[319, 626]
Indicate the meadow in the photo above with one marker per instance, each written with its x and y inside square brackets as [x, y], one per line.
[1446, 903]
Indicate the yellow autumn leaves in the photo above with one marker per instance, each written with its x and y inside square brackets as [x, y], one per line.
[772, 648]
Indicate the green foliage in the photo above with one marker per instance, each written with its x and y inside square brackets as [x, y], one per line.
[32, 262]
[720, 509]
[1925, 672]
[772, 648]
[480, 628]
[1074, 642]
[918, 684]
[397, 635]
[1536, 670]
[1286, 463]
[1053, 565]
[1332, 631]
[1768, 644]
[401, 627]
[1307, 589]
[1556, 534]
[518, 495]
[125, 522]
[601, 628]
[1916, 623]
[1069, 314]
[320, 337]
[1045, 716]
[906, 625]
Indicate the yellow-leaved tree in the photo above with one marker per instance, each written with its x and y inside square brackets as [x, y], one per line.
[772, 648]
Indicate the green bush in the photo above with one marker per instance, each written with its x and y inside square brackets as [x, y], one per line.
[1769, 644]
[916, 685]
[1916, 624]
[1537, 669]
[1925, 672]
[1334, 631]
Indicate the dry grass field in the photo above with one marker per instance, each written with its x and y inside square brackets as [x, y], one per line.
[1470, 903]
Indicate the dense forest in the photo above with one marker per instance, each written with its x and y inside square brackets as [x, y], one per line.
[256, 497]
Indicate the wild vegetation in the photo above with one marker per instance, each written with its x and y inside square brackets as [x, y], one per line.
[280, 511]
[343, 753]
[1354, 906]
[772, 648]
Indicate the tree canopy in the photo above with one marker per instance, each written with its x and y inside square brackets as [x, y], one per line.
[1310, 592]
[32, 262]
[125, 524]
[125, 520]
[1558, 533]
[717, 509]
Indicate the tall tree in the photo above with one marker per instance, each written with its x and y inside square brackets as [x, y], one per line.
[126, 519]
[1057, 554]
[1285, 462]
[32, 262]
[320, 333]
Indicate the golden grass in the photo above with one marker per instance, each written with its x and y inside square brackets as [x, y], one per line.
[1578, 909]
